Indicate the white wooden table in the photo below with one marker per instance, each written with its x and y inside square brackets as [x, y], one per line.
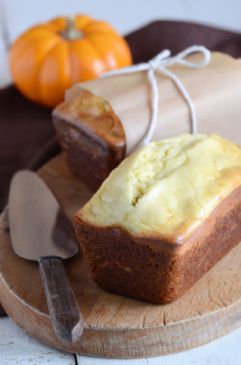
[18, 348]
[15, 16]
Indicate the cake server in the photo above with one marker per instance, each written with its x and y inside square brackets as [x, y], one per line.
[40, 232]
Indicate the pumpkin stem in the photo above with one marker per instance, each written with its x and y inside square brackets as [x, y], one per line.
[71, 32]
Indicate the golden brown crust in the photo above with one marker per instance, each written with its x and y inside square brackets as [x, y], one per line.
[151, 269]
[96, 114]
[91, 136]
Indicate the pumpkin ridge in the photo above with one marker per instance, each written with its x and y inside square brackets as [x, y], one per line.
[96, 55]
[66, 81]
[101, 53]
[42, 32]
[70, 62]
[101, 32]
[98, 51]
[97, 25]
[22, 48]
[38, 71]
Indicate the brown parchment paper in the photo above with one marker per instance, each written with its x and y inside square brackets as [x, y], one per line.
[215, 90]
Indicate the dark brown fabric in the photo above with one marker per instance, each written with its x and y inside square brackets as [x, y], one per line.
[148, 41]
[26, 130]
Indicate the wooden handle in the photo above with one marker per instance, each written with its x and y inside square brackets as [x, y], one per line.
[64, 311]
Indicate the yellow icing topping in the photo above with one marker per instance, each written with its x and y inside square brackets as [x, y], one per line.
[168, 188]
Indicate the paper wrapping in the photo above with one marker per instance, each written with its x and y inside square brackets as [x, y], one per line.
[214, 89]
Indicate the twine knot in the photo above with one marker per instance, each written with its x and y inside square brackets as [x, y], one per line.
[160, 63]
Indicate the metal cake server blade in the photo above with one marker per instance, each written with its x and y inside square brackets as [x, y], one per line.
[40, 231]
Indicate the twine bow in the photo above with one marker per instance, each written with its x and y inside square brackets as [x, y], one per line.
[159, 64]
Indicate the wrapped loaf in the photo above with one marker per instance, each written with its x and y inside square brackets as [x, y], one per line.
[102, 121]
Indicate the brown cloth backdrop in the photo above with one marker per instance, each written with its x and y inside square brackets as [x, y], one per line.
[26, 132]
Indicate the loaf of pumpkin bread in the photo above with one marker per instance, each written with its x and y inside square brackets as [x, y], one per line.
[91, 137]
[163, 217]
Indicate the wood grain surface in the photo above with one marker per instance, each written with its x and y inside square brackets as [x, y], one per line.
[116, 326]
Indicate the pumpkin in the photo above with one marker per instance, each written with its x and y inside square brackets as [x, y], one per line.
[48, 58]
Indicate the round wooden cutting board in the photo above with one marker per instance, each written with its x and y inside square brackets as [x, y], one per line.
[116, 326]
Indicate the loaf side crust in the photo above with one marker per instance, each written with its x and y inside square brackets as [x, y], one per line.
[152, 269]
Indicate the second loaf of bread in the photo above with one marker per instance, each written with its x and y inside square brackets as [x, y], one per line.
[163, 217]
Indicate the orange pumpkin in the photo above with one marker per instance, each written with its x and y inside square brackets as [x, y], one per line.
[49, 58]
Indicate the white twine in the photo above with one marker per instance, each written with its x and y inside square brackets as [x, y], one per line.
[159, 64]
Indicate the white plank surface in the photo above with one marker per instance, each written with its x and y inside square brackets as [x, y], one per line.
[224, 351]
[221, 13]
[16, 348]
[4, 71]
[125, 15]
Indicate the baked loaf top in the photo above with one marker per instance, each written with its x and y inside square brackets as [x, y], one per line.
[167, 189]
[94, 115]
